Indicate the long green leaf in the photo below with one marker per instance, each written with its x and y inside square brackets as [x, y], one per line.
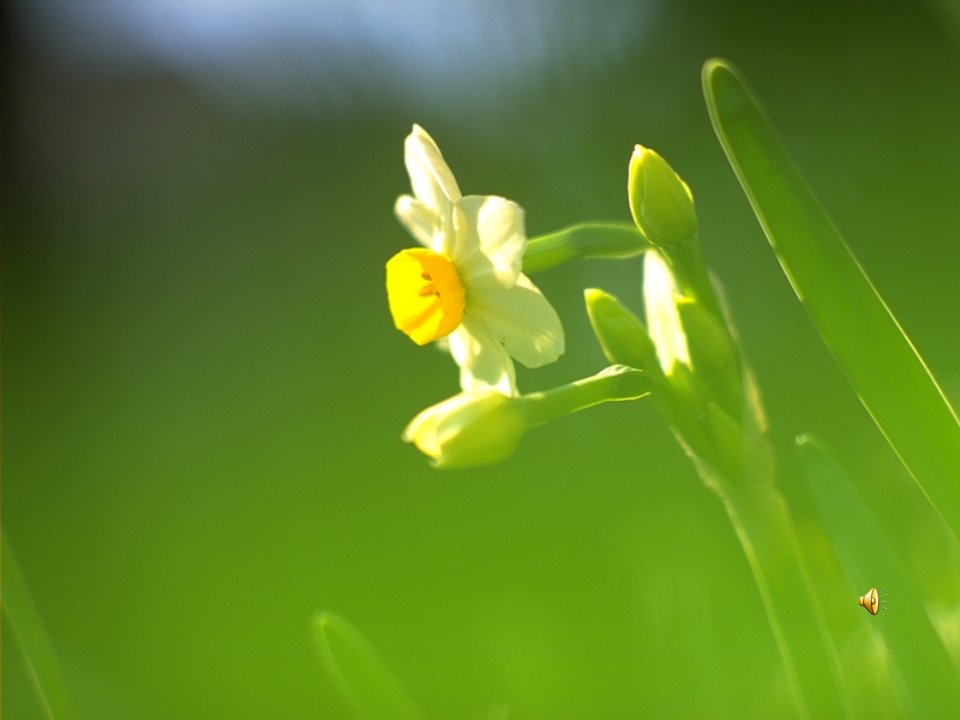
[871, 558]
[363, 679]
[39, 657]
[884, 368]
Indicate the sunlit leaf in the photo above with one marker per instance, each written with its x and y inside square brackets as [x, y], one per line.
[884, 368]
[871, 558]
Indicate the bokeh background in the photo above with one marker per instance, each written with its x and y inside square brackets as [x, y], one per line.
[203, 392]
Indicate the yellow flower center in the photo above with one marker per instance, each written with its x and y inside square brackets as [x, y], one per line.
[425, 294]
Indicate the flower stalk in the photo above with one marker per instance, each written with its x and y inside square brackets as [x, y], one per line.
[616, 383]
[702, 386]
[581, 241]
[482, 428]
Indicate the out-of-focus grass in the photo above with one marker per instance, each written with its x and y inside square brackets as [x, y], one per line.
[30, 636]
[867, 555]
[884, 368]
[365, 682]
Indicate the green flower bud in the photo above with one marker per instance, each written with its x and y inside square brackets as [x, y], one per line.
[660, 202]
[482, 428]
[711, 348]
[469, 429]
[620, 333]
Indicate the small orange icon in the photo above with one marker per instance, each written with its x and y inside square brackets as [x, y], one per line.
[873, 601]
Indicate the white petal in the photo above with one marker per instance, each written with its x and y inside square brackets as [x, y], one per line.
[489, 240]
[432, 181]
[663, 320]
[421, 221]
[483, 361]
[425, 428]
[521, 318]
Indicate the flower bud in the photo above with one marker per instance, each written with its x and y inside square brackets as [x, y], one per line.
[469, 429]
[482, 428]
[710, 345]
[661, 297]
[713, 356]
[620, 333]
[660, 202]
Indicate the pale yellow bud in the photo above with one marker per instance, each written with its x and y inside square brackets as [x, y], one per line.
[469, 429]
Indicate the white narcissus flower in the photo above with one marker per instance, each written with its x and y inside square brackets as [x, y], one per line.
[465, 284]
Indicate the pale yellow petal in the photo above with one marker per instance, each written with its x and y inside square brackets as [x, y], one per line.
[521, 318]
[489, 240]
[421, 221]
[484, 363]
[431, 179]
[663, 320]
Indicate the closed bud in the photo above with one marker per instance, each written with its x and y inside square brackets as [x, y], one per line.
[713, 356]
[620, 333]
[711, 348]
[469, 429]
[482, 428]
[660, 202]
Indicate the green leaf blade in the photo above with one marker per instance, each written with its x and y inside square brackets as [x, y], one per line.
[39, 656]
[881, 363]
[871, 557]
[365, 682]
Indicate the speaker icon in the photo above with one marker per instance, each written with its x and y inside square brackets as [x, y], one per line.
[873, 601]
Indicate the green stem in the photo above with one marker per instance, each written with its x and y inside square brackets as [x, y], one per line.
[690, 271]
[614, 384]
[584, 240]
[762, 522]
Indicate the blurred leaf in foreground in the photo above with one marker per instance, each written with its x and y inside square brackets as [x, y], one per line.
[870, 557]
[39, 657]
[361, 676]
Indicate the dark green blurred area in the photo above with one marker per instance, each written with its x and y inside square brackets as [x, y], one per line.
[203, 392]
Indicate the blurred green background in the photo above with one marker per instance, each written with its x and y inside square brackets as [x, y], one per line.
[203, 392]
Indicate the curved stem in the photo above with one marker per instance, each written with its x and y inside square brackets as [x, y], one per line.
[762, 522]
[584, 240]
